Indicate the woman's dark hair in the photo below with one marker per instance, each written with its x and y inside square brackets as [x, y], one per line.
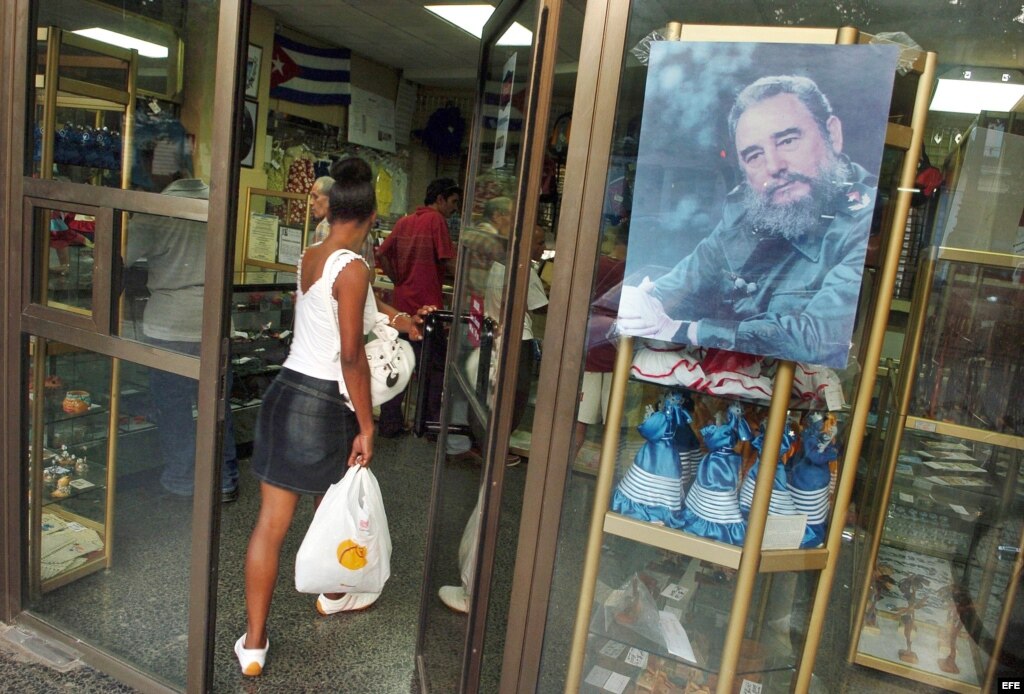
[352, 196]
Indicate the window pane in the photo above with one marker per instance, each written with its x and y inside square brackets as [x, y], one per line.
[104, 429]
[64, 241]
[165, 263]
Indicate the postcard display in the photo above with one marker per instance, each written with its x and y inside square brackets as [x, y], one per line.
[937, 584]
[711, 552]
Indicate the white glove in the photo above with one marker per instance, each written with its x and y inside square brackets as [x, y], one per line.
[643, 314]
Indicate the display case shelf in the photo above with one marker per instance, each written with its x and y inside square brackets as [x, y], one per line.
[936, 584]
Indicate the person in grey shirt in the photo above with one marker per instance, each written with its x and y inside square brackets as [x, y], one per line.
[174, 251]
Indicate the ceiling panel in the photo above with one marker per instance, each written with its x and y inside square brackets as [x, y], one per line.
[401, 34]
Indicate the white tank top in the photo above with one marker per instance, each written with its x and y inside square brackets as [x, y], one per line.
[315, 344]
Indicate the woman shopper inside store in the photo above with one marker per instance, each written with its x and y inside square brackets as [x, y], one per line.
[307, 432]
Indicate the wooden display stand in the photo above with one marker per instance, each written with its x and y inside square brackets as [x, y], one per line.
[749, 561]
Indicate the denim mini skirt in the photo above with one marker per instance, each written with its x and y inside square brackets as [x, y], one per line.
[304, 434]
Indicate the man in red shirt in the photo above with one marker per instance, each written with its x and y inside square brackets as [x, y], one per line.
[417, 255]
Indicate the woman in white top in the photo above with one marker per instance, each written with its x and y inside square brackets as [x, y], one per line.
[308, 431]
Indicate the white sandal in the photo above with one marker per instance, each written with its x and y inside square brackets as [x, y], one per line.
[349, 602]
[251, 659]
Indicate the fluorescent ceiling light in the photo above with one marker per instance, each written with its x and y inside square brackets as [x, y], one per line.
[145, 48]
[471, 19]
[975, 90]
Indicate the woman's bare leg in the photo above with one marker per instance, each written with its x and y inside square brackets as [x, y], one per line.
[277, 507]
[316, 505]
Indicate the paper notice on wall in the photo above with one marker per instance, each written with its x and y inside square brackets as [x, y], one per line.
[262, 244]
[371, 120]
[289, 245]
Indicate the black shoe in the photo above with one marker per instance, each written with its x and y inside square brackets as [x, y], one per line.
[228, 496]
[390, 433]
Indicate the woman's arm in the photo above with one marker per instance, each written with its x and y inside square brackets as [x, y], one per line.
[350, 289]
[402, 321]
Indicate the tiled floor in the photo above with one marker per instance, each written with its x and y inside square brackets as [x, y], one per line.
[370, 651]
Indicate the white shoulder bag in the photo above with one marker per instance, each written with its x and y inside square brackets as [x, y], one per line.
[391, 359]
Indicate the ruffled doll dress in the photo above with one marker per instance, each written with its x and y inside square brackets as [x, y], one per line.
[712, 509]
[650, 490]
[810, 476]
[781, 503]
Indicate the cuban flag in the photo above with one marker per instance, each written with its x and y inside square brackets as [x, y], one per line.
[309, 75]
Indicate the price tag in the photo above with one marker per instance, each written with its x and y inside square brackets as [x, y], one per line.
[598, 676]
[636, 657]
[906, 498]
[674, 591]
[81, 483]
[834, 397]
[616, 683]
[748, 687]
[613, 649]
[76, 527]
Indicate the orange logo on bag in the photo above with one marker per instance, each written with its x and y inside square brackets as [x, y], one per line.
[351, 555]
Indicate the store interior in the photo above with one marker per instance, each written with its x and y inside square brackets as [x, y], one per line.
[409, 113]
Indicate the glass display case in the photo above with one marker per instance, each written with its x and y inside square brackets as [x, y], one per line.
[71, 455]
[724, 478]
[262, 314]
[939, 577]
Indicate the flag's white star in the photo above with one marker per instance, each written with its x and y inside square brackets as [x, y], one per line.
[278, 65]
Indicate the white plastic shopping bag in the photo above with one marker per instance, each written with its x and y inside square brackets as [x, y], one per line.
[347, 548]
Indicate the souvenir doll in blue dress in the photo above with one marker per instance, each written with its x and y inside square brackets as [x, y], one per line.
[712, 509]
[687, 443]
[781, 503]
[809, 479]
[651, 488]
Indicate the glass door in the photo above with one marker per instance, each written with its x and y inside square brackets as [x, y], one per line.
[476, 503]
[119, 337]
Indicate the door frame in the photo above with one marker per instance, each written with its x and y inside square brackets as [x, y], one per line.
[20, 318]
[578, 242]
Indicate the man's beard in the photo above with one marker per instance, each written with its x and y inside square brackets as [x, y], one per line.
[791, 220]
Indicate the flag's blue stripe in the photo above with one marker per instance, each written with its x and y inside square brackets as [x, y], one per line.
[310, 73]
[291, 45]
[307, 98]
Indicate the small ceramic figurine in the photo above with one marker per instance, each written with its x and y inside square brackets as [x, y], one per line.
[959, 606]
[712, 509]
[909, 586]
[881, 583]
[651, 488]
